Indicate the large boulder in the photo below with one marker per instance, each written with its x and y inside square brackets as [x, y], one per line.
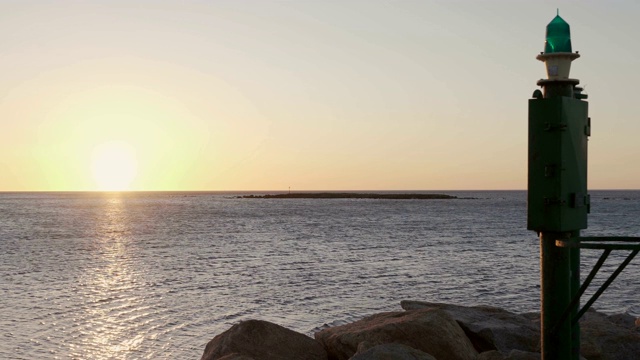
[513, 355]
[392, 352]
[603, 337]
[236, 356]
[522, 355]
[491, 355]
[262, 340]
[614, 337]
[624, 320]
[490, 328]
[432, 331]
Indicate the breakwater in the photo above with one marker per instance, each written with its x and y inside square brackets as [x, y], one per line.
[349, 195]
[426, 331]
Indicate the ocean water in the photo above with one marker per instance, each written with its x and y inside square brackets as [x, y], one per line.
[157, 275]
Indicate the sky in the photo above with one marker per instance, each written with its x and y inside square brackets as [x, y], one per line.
[311, 95]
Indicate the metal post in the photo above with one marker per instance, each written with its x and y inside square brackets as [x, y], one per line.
[555, 292]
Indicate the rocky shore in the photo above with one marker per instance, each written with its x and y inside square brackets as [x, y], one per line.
[426, 331]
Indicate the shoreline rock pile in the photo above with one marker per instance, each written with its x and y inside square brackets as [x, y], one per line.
[426, 331]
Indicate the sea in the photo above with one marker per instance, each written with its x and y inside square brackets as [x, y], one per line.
[156, 275]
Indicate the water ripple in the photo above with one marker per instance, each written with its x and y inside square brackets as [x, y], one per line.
[158, 275]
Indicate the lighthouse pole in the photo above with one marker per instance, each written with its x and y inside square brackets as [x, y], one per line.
[557, 199]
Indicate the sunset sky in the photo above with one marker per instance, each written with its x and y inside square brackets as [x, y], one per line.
[315, 95]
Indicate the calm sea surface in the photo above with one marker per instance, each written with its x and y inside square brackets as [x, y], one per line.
[157, 275]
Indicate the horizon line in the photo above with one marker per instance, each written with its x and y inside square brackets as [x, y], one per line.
[273, 190]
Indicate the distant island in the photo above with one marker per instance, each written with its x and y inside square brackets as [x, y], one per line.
[343, 195]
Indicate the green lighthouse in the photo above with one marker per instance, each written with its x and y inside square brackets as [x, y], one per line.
[557, 198]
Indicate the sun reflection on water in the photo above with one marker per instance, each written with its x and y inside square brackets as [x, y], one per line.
[110, 298]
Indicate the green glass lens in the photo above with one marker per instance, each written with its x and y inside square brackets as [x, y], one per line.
[558, 36]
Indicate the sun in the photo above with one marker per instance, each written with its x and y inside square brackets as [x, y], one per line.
[114, 166]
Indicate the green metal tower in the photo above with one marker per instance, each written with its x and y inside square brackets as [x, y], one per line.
[557, 199]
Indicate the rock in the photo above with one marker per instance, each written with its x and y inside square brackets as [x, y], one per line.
[236, 356]
[426, 331]
[626, 321]
[608, 337]
[392, 352]
[513, 355]
[262, 340]
[522, 355]
[491, 328]
[491, 355]
[432, 331]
